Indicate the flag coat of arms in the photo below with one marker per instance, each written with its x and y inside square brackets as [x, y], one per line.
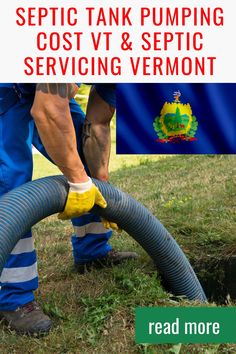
[176, 119]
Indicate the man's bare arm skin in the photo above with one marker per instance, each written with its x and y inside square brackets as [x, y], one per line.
[96, 135]
[52, 117]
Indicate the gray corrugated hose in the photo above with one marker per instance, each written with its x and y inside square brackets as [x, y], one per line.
[25, 206]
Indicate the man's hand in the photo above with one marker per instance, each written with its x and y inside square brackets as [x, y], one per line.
[51, 113]
[81, 199]
[111, 225]
[97, 140]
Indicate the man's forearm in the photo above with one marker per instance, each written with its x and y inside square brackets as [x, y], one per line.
[96, 136]
[97, 146]
[53, 120]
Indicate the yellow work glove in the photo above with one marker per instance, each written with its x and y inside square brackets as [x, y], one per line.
[111, 225]
[81, 199]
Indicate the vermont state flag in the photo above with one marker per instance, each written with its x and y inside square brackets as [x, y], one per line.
[176, 118]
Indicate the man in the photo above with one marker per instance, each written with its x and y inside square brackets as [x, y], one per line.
[47, 116]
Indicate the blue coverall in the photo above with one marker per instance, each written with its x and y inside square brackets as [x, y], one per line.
[17, 134]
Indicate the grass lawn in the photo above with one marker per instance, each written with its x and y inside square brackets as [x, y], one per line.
[193, 196]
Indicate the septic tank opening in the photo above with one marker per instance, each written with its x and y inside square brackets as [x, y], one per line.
[218, 278]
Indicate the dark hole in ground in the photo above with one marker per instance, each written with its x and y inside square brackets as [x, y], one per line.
[218, 278]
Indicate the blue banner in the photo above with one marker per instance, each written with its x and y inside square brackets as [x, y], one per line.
[176, 118]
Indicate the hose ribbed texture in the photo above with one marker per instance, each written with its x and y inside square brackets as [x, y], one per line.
[23, 207]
